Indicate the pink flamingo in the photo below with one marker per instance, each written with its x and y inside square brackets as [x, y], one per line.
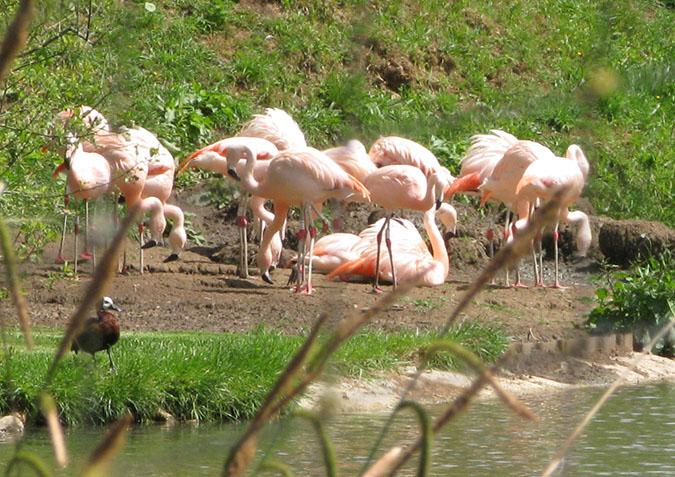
[299, 177]
[402, 187]
[332, 250]
[394, 150]
[543, 178]
[413, 259]
[88, 178]
[278, 127]
[130, 156]
[492, 167]
[353, 159]
[213, 158]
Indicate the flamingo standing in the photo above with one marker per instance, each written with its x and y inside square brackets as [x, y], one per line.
[88, 178]
[543, 178]
[413, 259]
[299, 177]
[130, 156]
[402, 187]
[353, 159]
[395, 150]
[276, 126]
[213, 158]
[492, 167]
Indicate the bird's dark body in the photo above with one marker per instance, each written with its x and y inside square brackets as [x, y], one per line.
[99, 334]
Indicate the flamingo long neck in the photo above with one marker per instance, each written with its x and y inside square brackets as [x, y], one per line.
[248, 182]
[440, 253]
[430, 197]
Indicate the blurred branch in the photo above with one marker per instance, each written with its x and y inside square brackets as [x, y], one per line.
[18, 299]
[16, 36]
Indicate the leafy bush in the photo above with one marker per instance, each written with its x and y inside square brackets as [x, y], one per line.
[641, 300]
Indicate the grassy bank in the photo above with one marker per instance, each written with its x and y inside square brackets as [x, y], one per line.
[198, 375]
[596, 73]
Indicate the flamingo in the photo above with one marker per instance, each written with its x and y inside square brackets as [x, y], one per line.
[93, 120]
[213, 158]
[130, 156]
[546, 176]
[353, 159]
[299, 177]
[276, 126]
[413, 259]
[395, 150]
[88, 178]
[332, 250]
[492, 167]
[402, 187]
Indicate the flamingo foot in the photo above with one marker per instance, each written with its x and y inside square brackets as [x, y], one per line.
[124, 271]
[306, 290]
[539, 285]
[558, 286]
[377, 290]
[60, 260]
[85, 255]
[171, 258]
[519, 284]
[149, 244]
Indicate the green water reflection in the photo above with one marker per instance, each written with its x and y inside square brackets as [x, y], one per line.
[634, 434]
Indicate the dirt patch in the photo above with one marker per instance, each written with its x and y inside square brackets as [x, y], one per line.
[624, 241]
[198, 293]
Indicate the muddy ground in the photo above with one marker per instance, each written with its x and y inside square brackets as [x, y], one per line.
[201, 291]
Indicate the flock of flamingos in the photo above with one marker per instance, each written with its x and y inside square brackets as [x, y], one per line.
[270, 160]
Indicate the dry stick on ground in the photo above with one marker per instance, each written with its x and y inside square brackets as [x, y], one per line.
[507, 256]
[557, 459]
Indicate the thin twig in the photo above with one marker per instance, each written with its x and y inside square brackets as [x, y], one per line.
[16, 36]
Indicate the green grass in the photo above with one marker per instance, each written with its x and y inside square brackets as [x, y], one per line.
[198, 375]
[596, 73]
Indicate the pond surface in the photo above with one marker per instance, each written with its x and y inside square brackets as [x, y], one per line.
[634, 434]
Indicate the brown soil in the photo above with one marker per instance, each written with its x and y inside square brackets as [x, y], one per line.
[197, 293]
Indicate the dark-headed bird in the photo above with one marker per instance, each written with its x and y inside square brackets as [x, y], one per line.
[99, 333]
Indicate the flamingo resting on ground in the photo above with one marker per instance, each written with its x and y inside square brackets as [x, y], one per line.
[413, 261]
[402, 187]
[299, 177]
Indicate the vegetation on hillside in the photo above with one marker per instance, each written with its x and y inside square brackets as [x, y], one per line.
[589, 72]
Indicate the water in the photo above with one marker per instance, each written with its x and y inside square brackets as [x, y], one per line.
[634, 434]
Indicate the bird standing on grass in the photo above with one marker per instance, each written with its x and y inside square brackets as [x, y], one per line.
[99, 333]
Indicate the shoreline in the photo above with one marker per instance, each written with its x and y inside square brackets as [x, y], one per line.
[382, 391]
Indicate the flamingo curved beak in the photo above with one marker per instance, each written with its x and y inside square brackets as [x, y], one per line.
[185, 163]
[233, 174]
